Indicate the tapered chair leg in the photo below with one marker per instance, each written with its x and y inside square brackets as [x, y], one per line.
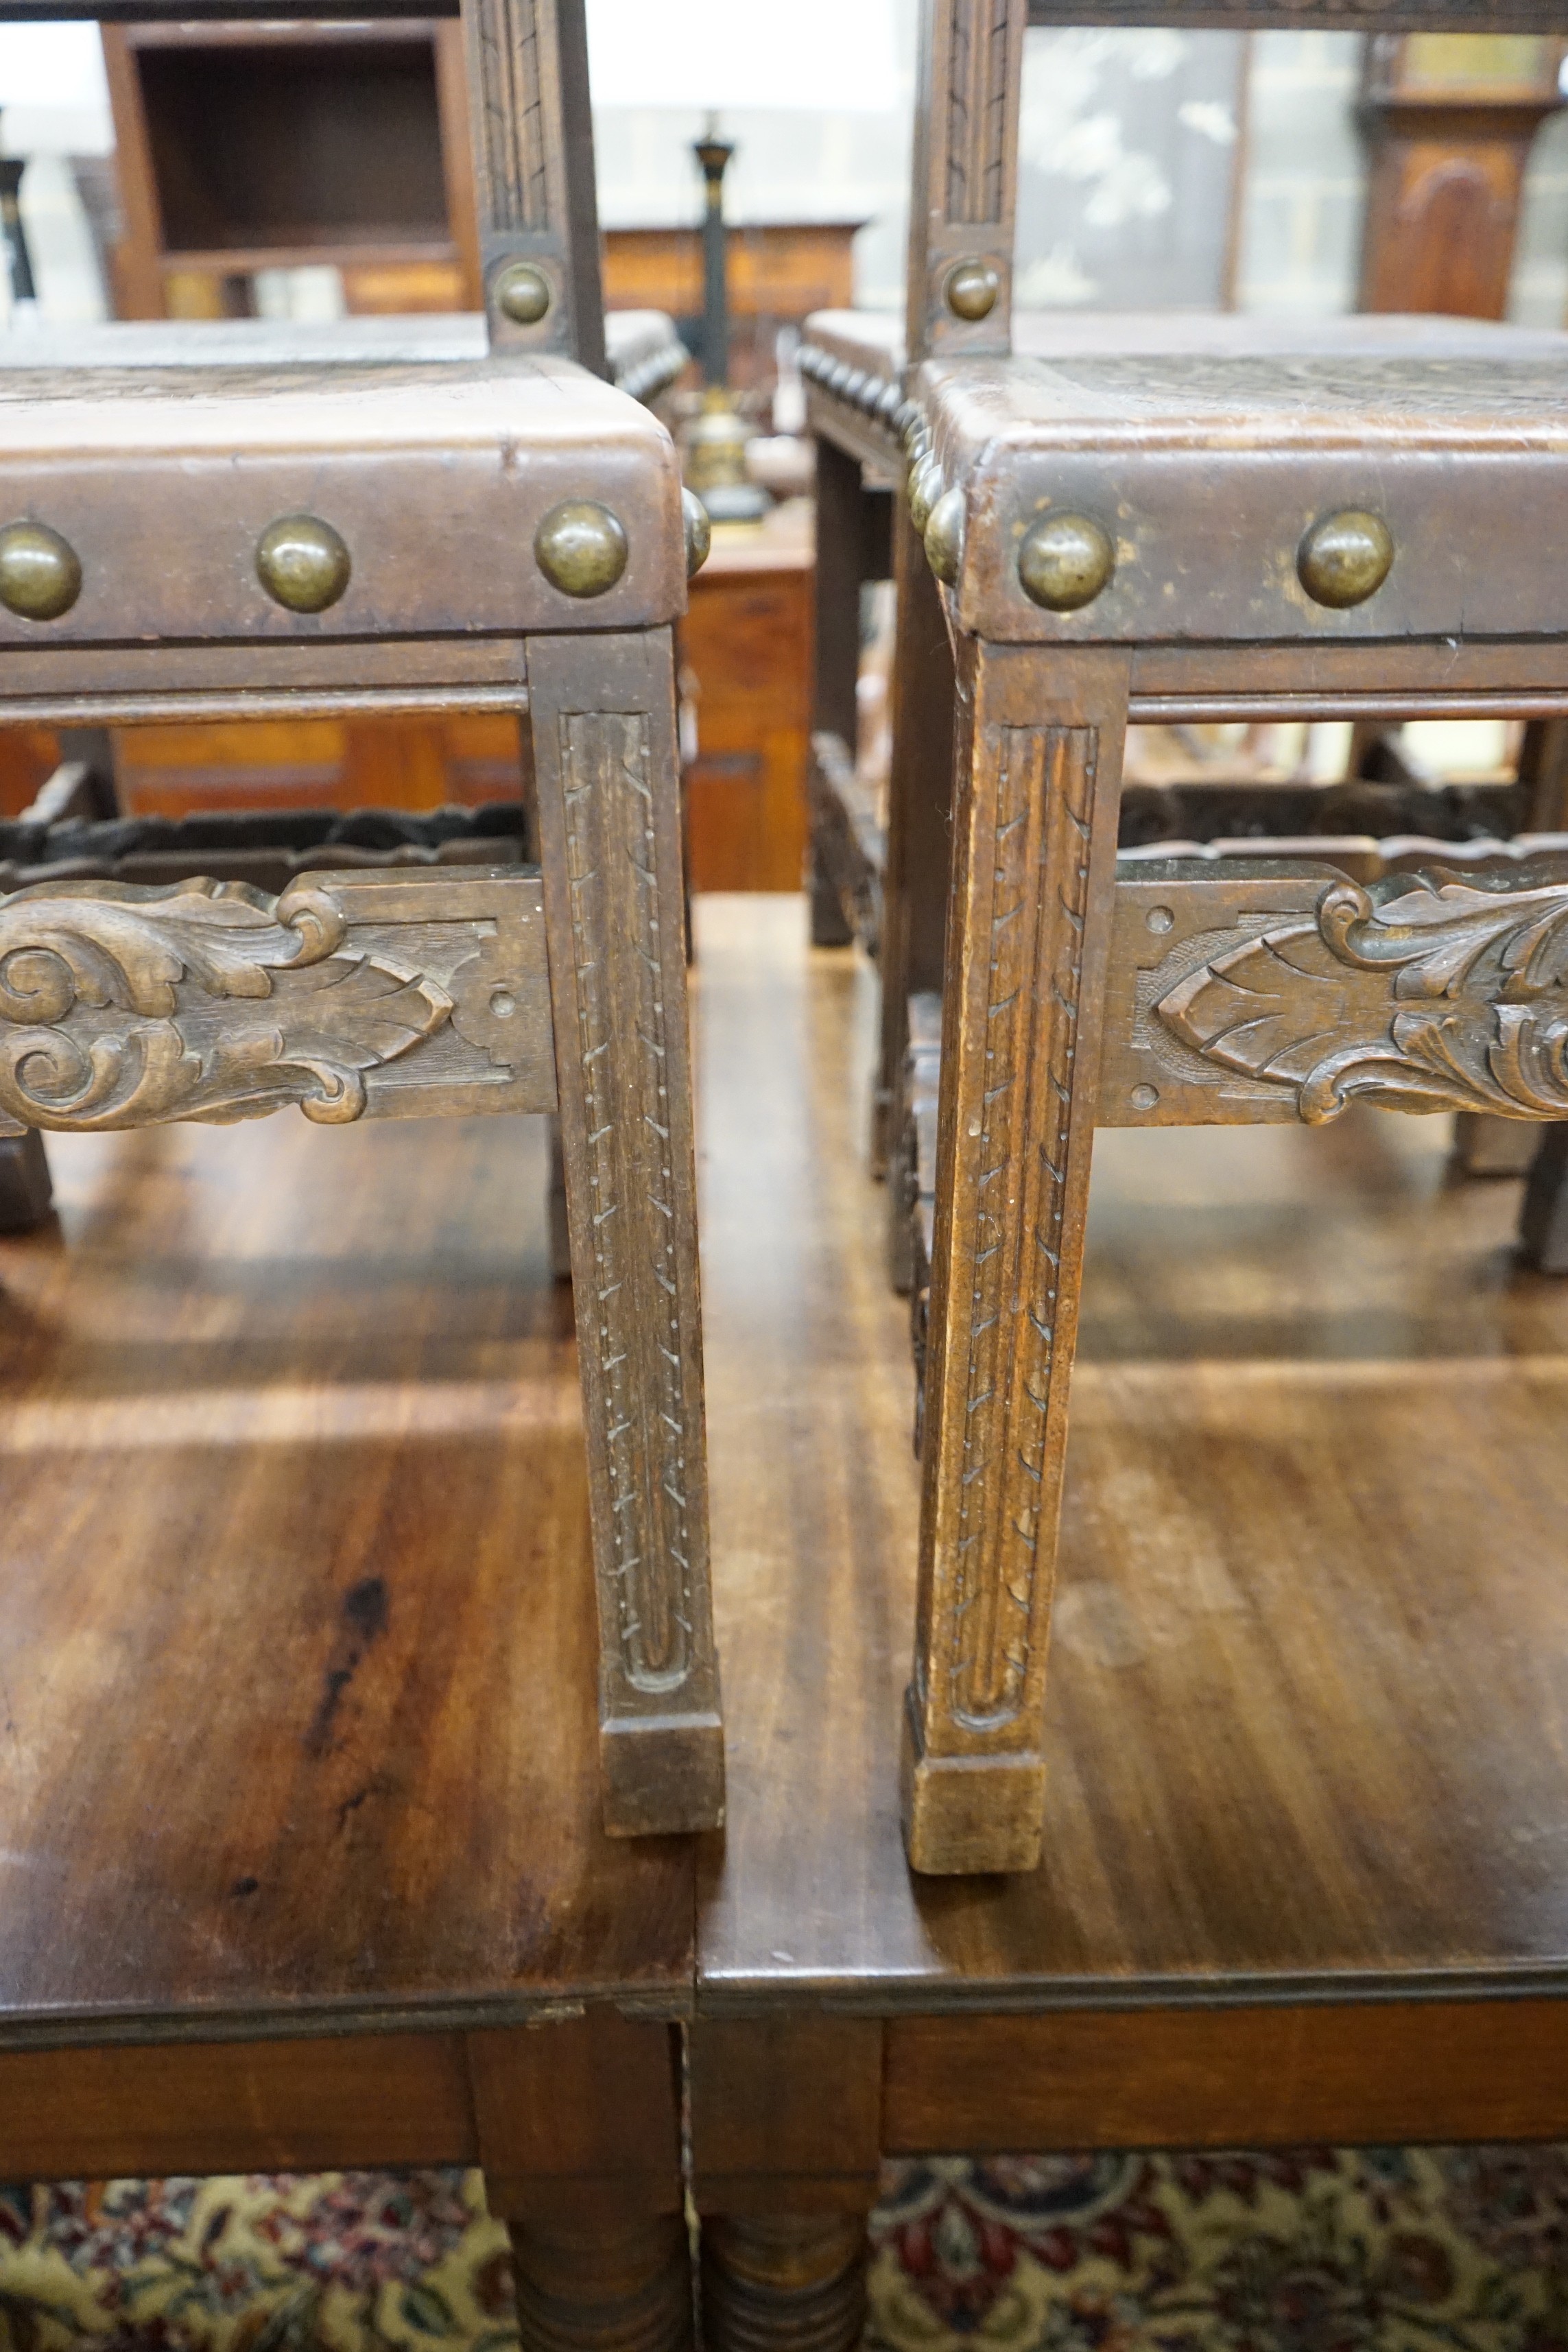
[1038, 758]
[27, 1188]
[1544, 1216]
[602, 715]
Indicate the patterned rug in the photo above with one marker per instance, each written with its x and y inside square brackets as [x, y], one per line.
[1393, 2250]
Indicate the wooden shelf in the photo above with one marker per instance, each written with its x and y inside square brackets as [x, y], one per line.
[1308, 1696]
[245, 147]
[344, 250]
[296, 1617]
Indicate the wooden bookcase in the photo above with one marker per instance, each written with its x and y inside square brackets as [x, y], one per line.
[262, 146]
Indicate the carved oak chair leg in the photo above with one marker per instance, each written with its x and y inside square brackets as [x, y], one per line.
[27, 1188]
[602, 715]
[1038, 756]
[1543, 1215]
[559, 1237]
[1485, 1145]
[829, 927]
[920, 792]
[605, 2288]
[783, 2283]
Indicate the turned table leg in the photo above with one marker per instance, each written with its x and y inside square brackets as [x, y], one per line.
[783, 2283]
[785, 2124]
[579, 2133]
[603, 2285]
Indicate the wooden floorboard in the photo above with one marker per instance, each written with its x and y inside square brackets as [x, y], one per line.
[1309, 1697]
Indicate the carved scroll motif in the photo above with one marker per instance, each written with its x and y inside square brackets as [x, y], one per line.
[977, 110]
[1415, 996]
[1039, 897]
[121, 1006]
[513, 144]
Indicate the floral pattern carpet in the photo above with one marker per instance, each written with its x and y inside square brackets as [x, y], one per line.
[1322, 2250]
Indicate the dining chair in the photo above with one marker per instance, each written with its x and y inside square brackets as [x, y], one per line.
[199, 524]
[1387, 497]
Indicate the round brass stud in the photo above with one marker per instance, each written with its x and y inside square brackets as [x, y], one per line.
[972, 290]
[699, 531]
[522, 293]
[303, 563]
[1345, 558]
[944, 536]
[925, 487]
[581, 548]
[1064, 561]
[40, 576]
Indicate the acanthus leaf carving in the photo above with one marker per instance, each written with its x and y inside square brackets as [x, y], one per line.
[120, 1006]
[1417, 994]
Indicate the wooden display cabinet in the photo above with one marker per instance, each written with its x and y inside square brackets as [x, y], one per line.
[1451, 118]
[264, 146]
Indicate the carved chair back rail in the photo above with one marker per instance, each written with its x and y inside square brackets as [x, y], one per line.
[438, 532]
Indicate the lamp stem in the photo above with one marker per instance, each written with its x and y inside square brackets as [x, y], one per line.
[713, 153]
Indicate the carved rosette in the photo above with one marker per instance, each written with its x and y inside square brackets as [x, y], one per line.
[121, 1006]
[1415, 994]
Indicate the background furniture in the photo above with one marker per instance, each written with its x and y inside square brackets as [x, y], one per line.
[745, 654]
[1450, 121]
[1303, 1777]
[777, 273]
[264, 146]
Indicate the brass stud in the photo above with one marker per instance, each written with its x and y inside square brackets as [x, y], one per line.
[40, 575]
[1345, 558]
[581, 548]
[1064, 561]
[944, 536]
[926, 487]
[522, 293]
[699, 531]
[972, 290]
[303, 563]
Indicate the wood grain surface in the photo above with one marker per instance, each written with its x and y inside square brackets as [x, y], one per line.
[1309, 1698]
[1378, 2072]
[297, 1640]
